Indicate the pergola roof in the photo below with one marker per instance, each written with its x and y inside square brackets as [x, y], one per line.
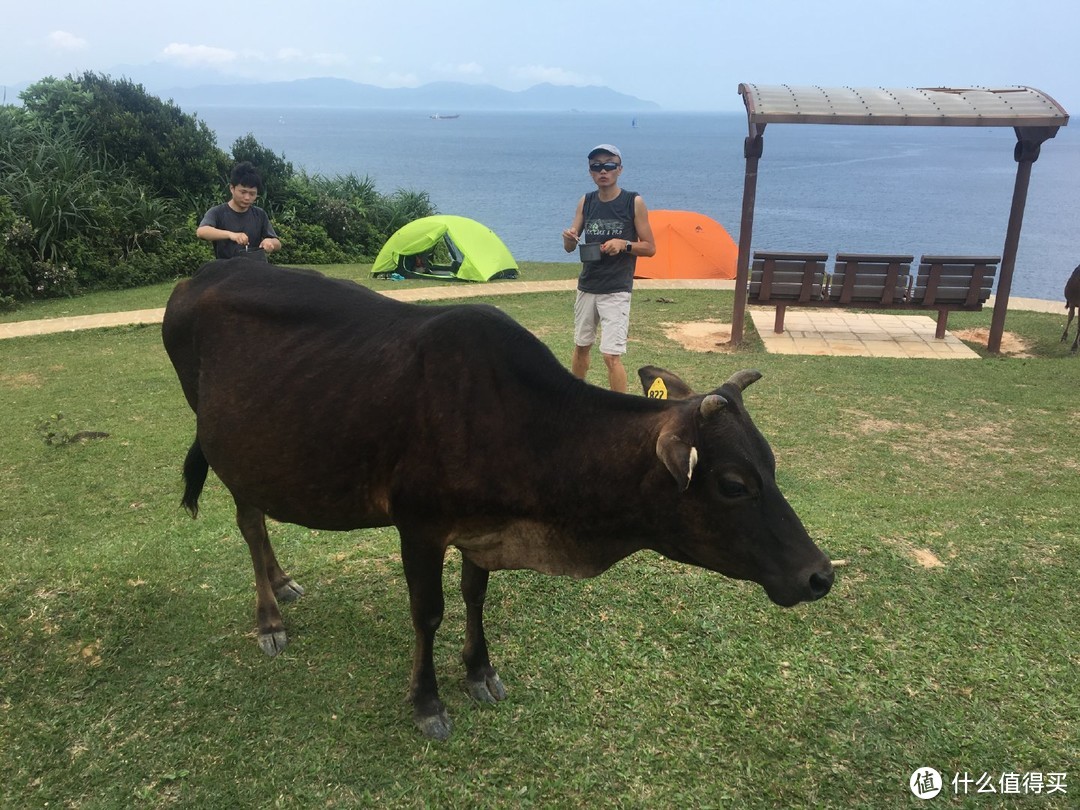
[908, 106]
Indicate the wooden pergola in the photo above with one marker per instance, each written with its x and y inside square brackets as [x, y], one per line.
[1033, 115]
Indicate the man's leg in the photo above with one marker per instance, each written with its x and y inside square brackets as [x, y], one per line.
[614, 310]
[579, 364]
[585, 321]
[616, 372]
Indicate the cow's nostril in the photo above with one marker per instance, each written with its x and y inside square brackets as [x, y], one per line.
[820, 583]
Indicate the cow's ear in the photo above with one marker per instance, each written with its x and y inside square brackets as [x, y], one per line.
[679, 457]
[659, 383]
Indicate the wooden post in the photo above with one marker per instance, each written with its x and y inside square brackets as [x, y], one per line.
[752, 149]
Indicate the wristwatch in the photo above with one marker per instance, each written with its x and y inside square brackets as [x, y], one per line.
[629, 245]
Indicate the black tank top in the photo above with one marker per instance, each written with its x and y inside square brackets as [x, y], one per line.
[603, 221]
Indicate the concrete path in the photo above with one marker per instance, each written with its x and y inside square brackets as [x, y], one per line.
[47, 326]
[807, 331]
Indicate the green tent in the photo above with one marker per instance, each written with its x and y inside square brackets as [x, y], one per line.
[448, 247]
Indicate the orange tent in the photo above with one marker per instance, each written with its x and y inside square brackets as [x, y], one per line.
[688, 245]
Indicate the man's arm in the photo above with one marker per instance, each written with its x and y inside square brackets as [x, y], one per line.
[269, 241]
[645, 244]
[211, 234]
[571, 234]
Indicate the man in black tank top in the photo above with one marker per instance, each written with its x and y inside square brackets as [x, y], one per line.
[618, 222]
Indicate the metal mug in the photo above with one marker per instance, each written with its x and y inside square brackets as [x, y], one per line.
[589, 251]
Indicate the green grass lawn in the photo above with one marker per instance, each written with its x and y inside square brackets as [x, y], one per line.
[130, 673]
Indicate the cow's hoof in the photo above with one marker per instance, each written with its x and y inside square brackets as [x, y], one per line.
[487, 690]
[434, 726]
[273, 643]
[289, 591]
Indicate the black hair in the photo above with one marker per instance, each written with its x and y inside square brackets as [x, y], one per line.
[244, 174]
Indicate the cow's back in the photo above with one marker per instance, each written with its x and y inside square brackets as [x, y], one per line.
[316, 397]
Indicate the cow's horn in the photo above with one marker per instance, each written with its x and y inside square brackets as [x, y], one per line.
[741, 379]
[712, 404]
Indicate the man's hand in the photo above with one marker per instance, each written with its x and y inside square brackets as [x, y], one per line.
[240, 238]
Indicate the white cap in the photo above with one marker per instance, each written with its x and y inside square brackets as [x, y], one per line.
[605, 147]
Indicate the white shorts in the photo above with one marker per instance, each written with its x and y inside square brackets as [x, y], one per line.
[608, 311]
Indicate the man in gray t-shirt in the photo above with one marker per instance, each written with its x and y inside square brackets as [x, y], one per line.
[239, 226]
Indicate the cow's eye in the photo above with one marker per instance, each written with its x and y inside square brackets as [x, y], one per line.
[733, 487]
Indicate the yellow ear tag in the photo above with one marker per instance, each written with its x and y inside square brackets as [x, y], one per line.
[658, 390]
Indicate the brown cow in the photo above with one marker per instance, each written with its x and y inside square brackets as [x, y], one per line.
[1072, 301]
[322, 403]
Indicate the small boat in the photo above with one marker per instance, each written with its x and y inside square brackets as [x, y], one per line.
[437, 117]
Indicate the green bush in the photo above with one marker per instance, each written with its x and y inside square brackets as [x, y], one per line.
[303, 243]
[52, 280]
[176, 258]
[166, 150]
[16, 237]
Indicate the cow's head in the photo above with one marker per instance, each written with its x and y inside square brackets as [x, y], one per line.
[732, 517]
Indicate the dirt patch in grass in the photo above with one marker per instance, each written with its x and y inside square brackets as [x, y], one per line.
[926, 558]
[23, 380]
[923, 556]
[700, 336]
[1010, 343]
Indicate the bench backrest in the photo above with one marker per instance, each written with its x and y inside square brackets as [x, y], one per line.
[776, 276]
[955, 280]
[877, 278]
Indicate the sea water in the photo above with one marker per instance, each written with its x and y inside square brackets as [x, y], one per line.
[820, 188]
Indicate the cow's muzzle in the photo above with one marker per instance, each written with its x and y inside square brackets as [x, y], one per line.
[820, 583]
[808, 586]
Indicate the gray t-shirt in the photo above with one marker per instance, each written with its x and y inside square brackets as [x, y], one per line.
[254, 222]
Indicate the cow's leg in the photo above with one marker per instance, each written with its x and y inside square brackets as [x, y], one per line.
[423, 561]
[483, 681]
[1065, 334]
[270, 581]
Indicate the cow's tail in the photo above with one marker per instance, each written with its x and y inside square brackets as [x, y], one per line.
[195, 470]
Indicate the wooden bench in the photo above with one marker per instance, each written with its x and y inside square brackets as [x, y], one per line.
[948, 283]
[871, 281]
[779, 279]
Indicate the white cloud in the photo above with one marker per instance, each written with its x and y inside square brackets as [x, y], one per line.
[290, 54]
[63, 41]
[295, 56]
[198, 55]
[553, 75]
[463, 69]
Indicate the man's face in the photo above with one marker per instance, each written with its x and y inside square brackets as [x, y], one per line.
[243, 197]
[605, 169]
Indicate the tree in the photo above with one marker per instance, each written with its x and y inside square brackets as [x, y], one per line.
[163, 148]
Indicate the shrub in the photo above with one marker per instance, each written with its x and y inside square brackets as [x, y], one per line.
[16, 238]
[50, 280]
[303, 243]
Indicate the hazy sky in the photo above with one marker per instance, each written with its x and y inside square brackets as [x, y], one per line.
[682, 54]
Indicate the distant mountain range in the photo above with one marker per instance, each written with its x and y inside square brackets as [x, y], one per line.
[439, 97]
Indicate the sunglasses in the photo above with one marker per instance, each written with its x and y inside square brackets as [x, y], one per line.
[604, 167]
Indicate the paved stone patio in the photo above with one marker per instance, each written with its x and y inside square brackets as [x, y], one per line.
[841, 333]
